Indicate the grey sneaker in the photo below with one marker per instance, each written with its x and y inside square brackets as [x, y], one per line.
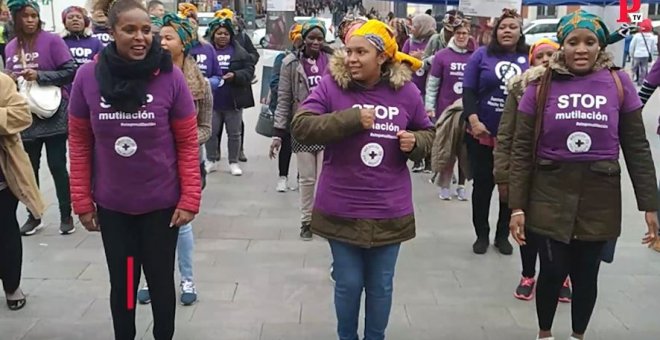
[66, 226]
[306, 232]
[188, 293]
[31, 226]
[143, 295]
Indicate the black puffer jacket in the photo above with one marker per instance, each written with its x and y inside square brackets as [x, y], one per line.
[241, 85]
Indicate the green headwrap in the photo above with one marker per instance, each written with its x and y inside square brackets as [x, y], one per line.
[583, 19]
[16, 5]
[183, 28]
[311, 24]
[156, 21]
[217, 23]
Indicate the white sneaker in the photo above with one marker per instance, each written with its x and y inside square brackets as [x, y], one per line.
[235, 169]
[460, 193]
[445, 195]
[211, 166]
[281, 185]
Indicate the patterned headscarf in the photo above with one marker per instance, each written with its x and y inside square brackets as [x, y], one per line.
[17, 5]
[156, 21]
[582, 19]
[188, 10]
[541, 43]
[295, 32]
[224, 13]
[183, 28]
[311, 24]
[452, 20]
[78, 9]
[382, 37]
[219, 22]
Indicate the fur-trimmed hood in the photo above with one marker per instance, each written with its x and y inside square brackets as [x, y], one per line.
[558, 63]
[397, 75]
[86, 33]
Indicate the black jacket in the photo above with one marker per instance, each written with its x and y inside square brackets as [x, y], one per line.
[245, 41]
[241, 85]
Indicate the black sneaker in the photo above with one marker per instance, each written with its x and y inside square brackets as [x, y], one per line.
[306, 232]
[480, 246]
[504, 246]
[418, 167]
[31, 226]
[66, 226]
[525, 290]
[241, 157]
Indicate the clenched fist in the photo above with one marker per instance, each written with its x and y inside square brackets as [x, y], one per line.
[367, 118]
[406, 140]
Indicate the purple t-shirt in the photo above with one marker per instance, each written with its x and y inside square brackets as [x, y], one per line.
[83, 50]
[48, 54]
[102, 33]
[222, 98]
[134, 166]
[206, 58]
[487, 76]
[653, 78]
[314, 69]
[449, 66]
[581, 118]
[419, 77]
[365, 175]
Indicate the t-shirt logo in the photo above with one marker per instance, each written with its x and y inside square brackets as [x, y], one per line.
[28, 57]
[312, 81]
[125, 146]
[578, 142]
[105, 105]
[420, 72]
[458, 87]
[223, 61]
[372, 154]
[505, 70]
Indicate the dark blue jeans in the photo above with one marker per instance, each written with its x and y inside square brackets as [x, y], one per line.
[357, 269]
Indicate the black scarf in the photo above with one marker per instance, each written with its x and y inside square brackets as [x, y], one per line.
[123, 84]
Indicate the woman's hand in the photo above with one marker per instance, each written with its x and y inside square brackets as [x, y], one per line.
[228, 76]
[430, 113]
[417, 54]
[517, 227]
[479, 130]
[29, 74]
[90, 221]
[651, 235]
[275, 147]
[181, 217]
[367, 118]
[406, 140]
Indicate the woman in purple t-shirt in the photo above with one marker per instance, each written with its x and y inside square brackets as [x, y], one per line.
[36, 55]
[371, 119]
[444, 87]
[134, 154]
[484, 93]
[300, 73]
[565, 177]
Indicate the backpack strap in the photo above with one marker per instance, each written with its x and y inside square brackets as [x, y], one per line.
[619, 86]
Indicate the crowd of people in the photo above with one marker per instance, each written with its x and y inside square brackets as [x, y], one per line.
[140, 101]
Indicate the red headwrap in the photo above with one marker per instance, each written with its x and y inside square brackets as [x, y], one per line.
[78, 9]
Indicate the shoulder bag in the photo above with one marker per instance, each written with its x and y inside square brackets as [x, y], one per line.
[43, 101]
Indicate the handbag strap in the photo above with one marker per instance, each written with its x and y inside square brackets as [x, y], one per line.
[542, 91]
[619, 86]
[23, 62]
[646, 45]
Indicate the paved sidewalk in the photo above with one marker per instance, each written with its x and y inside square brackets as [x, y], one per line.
[257, 280]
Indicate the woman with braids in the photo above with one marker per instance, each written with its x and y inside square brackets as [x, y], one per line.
[484, 93]
[36, 55]
[565, 176]
[178, 36]
[135, 162]
[300, 74]
[371, 119]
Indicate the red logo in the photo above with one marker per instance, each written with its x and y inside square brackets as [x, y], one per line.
[629, 14]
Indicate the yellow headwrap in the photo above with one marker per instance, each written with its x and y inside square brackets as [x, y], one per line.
[382, 36]
[295, 32]
[224, 13]
[539, 43]
[188, 10]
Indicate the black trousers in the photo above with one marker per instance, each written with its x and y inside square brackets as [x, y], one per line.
[481, 164]
[579, 259]
[56, 156]
[528, 255]
[11, 247]
[284, 158]
[151, 244]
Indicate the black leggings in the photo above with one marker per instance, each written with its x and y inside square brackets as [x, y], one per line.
[481, 164]
[284, 158]
[579, 259]
[11, 248]
[151, 243]
[528, 256]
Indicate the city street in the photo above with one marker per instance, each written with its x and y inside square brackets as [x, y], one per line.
[257, 280]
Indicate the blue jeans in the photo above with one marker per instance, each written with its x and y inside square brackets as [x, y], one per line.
[357, 269]
[185, 246]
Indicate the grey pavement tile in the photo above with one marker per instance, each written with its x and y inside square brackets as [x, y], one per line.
[95, 272]
[208, 292]
[54, 270]
[216, 330]
[214, 245]
[241, 233]
[467, 315]
[71, 330]
[323, 311]
[95, 255]
[292, 292]
[95, 289]
[68, 308]
[304, 331]
[15, 329]
[241, 312]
